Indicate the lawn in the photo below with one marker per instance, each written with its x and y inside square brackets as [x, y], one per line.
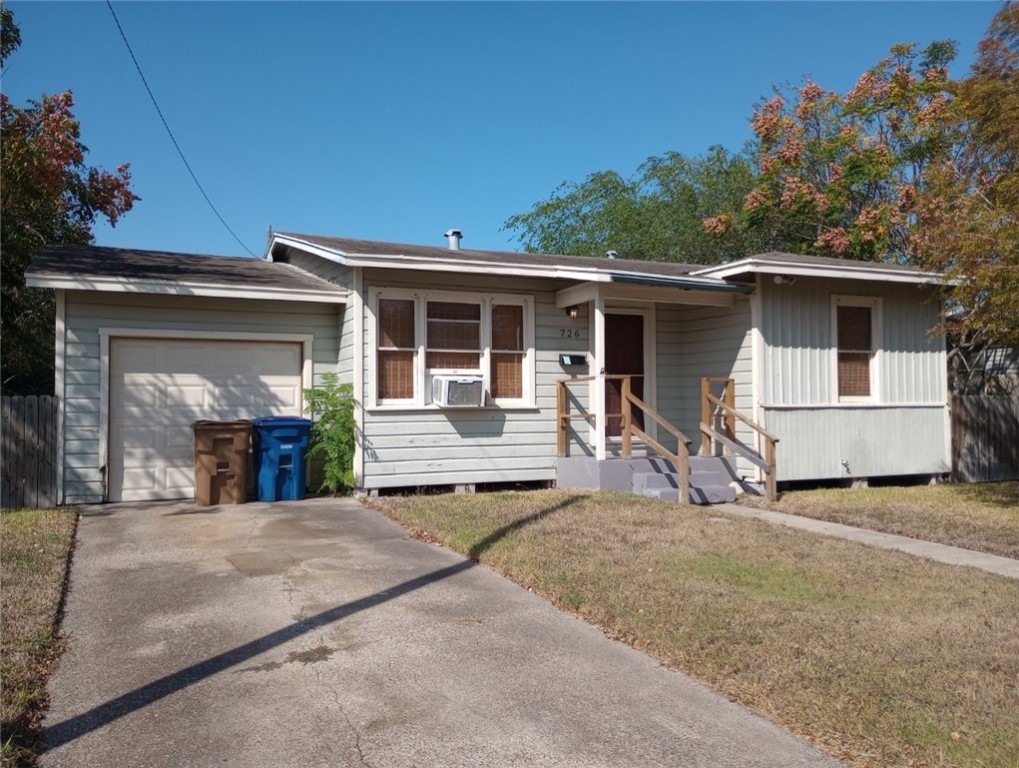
[877, 657]
[980, 516]
[33, 566]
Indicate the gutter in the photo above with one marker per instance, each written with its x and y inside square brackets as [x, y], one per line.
[684, 283]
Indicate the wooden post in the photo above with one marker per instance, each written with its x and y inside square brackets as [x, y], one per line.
[771, 482]
[561, 420]
[625, 418]
[730, 416]
[707, 448]
[683, 460]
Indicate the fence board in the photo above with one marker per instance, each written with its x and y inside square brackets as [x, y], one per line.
[6, 443]
[985, 438]
[28, 440]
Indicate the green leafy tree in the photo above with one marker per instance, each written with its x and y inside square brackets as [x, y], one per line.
[968, 212]
[333, 435]
[49, 196]
[655, 215]
[839, 174]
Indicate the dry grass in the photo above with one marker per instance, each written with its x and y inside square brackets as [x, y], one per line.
[33, 565]
[879, 658]
[981, 516]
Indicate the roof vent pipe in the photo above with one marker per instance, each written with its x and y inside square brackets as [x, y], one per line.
[453, 236]
[612, 254]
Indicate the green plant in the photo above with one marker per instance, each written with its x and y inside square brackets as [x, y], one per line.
[331, 405]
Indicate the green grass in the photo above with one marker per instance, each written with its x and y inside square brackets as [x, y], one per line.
[36, 544]
[877, 657]
[979, 516]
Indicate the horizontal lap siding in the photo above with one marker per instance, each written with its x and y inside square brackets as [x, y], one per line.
[698, 342]
[798, 352]
[86, 313]
[443, 447]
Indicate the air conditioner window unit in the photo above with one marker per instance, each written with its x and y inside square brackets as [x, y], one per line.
[458, 391]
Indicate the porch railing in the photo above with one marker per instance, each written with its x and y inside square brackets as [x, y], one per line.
[718, 425]
[680, 458]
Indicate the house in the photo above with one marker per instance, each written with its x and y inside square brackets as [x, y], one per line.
[476, 367]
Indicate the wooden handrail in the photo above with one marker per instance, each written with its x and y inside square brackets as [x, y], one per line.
[727, 406]
[752, 424]
[648, 411]
[680, 458]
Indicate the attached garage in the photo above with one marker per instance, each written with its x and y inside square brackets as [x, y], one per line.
[148, 343]
[159, 387]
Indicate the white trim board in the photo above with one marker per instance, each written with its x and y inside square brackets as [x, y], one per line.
[175, 288]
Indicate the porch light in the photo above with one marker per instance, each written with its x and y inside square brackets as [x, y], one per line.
[573, 312]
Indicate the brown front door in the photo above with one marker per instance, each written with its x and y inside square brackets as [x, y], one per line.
[624, 354]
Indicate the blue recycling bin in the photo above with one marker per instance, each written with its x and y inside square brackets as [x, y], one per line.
[280, 448]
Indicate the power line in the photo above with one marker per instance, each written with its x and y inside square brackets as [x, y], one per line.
[172, 138]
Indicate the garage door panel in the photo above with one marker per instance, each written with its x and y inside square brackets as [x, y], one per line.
[187, 395]
[140, 479]
[159, 387]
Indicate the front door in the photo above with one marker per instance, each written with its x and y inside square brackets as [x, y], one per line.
[624, 354]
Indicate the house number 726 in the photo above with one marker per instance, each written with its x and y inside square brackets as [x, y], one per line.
[569, 333]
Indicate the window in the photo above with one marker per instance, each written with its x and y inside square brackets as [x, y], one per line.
[454, 336]
[508, 351]
[397, 349]
[418, 336]
[857, 323]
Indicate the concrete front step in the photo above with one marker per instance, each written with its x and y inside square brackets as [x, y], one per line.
[645, 481]
[708, 494]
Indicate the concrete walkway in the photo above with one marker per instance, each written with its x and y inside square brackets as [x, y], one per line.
[318, 633]
[1002, 566]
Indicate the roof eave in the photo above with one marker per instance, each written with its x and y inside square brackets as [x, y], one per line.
[177, 288]
[684, 283]
[797, 269]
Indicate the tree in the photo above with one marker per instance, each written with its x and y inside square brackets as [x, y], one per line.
[656, 215]
[838, 175]
[968, 213]
[49, 196]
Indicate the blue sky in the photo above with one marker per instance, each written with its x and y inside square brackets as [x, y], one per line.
[395, 121]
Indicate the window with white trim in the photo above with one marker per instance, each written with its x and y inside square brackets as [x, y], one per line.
[418, 335]
[856, 324]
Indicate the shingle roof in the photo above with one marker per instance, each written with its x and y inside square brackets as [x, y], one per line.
[84, 262]
[508, 258]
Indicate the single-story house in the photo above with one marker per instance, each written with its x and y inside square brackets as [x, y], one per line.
[477, 367]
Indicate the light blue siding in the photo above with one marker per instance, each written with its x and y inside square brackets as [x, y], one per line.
[87, 312]
[411, 447]
[903, 432]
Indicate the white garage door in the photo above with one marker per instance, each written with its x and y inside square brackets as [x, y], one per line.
[158, 387]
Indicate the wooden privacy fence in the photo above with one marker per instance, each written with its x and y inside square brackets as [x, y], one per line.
[28, 430]
[985, 438]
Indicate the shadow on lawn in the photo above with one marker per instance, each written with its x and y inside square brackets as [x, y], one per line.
[1000, 494]
[95, 718]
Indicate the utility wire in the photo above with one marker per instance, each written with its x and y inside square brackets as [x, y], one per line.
[172, 138]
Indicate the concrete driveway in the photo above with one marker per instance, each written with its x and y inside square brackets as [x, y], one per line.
[317, 633]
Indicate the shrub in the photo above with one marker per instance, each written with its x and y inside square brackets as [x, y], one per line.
[333, 435]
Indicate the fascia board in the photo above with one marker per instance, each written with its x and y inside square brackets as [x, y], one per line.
[329, 254]
[807, 270]
[167, 288]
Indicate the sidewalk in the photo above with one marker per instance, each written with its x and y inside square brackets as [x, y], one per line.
[1002, 566]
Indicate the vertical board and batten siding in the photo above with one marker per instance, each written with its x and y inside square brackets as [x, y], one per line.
[86, 313]
[904, 433]
[695, 342]
[431, 446]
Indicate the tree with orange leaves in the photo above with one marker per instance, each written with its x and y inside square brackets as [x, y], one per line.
[49, 196]
[838, 174]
